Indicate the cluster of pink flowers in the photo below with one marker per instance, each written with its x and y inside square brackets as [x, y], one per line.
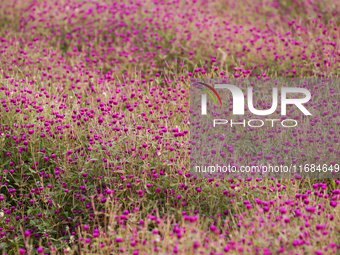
[95, 120]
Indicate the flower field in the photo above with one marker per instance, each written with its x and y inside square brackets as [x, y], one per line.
[95, 127]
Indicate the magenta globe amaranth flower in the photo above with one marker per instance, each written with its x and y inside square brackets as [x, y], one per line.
[40, 250]
[119, 240]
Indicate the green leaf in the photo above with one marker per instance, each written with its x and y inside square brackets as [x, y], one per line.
[6, 162]
[333, 184]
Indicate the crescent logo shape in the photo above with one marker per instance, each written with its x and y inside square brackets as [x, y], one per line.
[212, 89]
